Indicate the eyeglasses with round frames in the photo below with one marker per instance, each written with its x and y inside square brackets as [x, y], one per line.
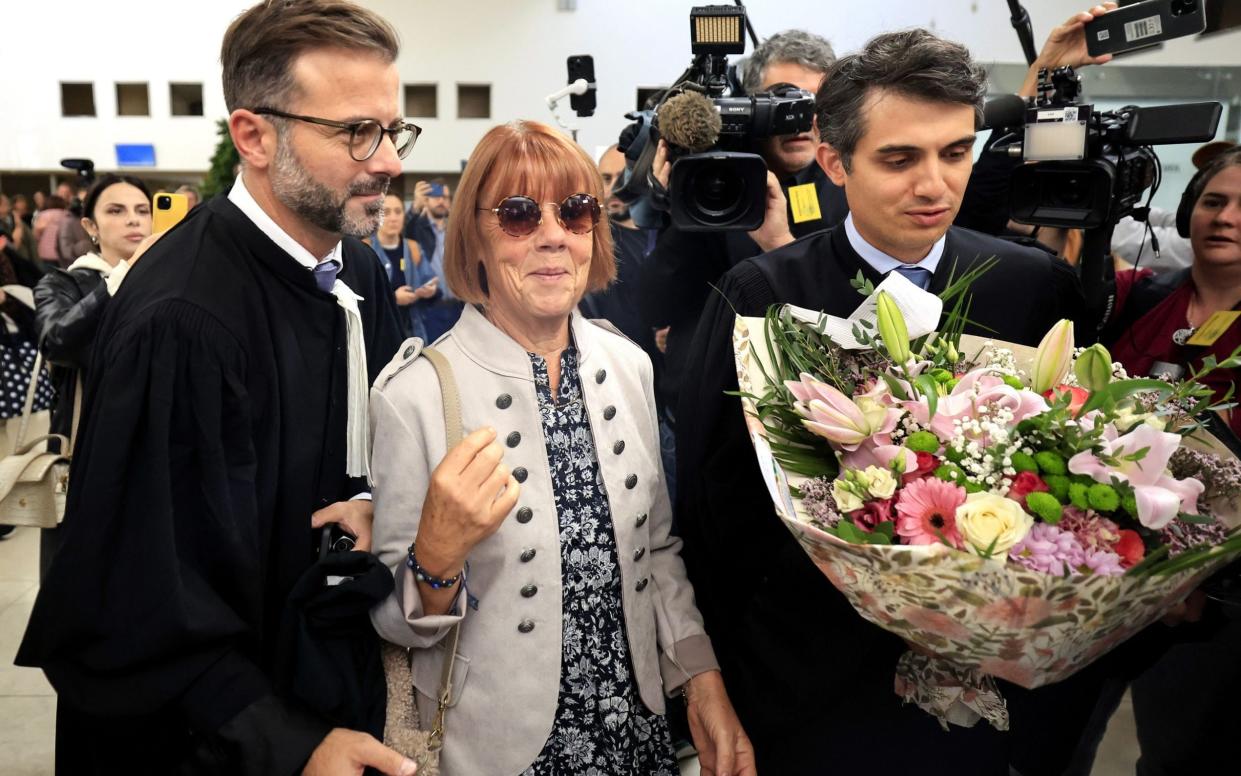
[364, 136]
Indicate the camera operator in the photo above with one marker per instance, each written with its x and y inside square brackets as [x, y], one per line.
[685, 264]
[985, 206]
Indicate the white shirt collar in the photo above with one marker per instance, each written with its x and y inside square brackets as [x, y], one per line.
[882, 262]
[245, 202]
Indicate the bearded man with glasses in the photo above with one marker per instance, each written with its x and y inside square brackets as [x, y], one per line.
[227, 416]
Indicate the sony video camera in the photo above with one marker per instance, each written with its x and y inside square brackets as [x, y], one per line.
[1092, 167]
[717, 183]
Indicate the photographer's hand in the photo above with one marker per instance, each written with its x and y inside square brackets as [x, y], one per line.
[1066, 47]
[775, 229]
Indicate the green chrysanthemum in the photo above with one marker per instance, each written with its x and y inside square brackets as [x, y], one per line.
[1058, 485]
[1050, 463]
[1045, 506]
[1079, 495]
[1024, 463]
[922, 442]
[1103, 497]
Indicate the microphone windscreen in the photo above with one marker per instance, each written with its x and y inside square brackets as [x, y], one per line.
[690, 122]
[1008, 110]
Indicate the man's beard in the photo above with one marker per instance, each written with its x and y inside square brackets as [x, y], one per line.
[618, 212]
[322, 206]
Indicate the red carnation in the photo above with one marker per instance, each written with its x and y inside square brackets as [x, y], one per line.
[927, 463]
[1129, 547]
[1024, 484]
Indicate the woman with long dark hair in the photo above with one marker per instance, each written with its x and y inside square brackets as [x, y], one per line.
[69, 303]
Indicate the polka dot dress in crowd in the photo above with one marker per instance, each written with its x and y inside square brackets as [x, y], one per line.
[17, 356]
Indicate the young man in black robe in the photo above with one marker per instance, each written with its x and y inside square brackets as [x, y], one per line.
[226, 413]
[811, 680]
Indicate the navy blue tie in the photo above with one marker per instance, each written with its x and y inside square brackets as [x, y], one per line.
[325, 274]
[919, 276]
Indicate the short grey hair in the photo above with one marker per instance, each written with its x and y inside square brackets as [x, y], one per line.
[912, 63]
[796, 47]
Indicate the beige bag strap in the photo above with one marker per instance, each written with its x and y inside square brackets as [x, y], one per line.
[452, 398]
[29, 404]
[77, 415]
[66, 447]
[454, 432]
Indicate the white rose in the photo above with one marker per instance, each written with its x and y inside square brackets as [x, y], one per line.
[987, 521]
[879, 482]
[846, 499]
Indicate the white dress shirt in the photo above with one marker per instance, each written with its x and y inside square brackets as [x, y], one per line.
[882, 262]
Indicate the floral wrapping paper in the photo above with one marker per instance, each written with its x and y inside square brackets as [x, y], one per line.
[967, 618]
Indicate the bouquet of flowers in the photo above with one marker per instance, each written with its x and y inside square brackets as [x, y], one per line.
[1008, 512]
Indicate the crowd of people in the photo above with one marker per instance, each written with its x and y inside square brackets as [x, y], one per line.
[521, 409]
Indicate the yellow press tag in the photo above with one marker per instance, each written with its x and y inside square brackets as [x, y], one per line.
[1214, 328]
[402, 264]
[804, 201]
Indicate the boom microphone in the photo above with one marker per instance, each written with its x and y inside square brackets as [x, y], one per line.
[689, 122]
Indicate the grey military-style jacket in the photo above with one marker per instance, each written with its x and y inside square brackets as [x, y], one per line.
[507, 675]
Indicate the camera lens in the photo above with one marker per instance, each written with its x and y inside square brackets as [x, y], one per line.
[163, 203]
[717, 192]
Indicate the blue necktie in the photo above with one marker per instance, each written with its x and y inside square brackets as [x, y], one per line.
[919, 276]
[325, 274]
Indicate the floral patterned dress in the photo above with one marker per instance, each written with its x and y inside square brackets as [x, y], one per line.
[602, 728]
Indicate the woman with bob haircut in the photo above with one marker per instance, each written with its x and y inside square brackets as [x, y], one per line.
[546, 532]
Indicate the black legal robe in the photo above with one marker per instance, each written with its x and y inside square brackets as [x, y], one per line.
[811, 680]
[214, 427]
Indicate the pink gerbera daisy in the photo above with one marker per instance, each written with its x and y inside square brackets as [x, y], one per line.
[927, 512]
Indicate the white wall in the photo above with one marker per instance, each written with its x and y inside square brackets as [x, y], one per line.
[518, 46]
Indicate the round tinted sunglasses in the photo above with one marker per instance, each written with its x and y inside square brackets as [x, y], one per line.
[520, 216]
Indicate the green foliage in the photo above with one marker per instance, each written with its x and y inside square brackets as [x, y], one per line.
[883, 533]
[1012, 381]
[950, 472]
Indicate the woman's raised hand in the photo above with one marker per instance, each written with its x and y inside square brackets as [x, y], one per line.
[471, 492]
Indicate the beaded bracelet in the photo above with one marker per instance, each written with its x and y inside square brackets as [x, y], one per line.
[432, 581]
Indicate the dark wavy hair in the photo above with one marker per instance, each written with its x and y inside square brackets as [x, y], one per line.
[912, 63]
[110, 179]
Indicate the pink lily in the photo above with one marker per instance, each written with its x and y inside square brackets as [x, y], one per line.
[836, 417]
[881, 455]
[975, 389]
[1160, 497]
